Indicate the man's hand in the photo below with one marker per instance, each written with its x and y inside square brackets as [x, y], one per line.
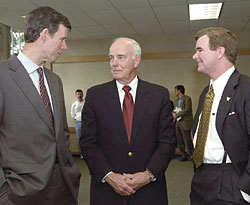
[138, 180]
[119, 183]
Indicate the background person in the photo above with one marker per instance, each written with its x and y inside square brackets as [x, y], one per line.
[183, 116]
[76, 114]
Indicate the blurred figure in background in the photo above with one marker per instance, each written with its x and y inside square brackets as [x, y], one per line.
[76, 114]
[183, 116]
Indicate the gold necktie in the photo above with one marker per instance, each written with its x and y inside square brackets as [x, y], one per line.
[198, 155]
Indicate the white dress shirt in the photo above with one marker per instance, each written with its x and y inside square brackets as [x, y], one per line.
[31, 68]
[121, 92]
[214, 149]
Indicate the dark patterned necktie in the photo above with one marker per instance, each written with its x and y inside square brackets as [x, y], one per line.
[198, 155]
[128, 109]
[44, 95]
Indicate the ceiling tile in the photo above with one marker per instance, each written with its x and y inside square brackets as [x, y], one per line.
[177, 27]
[130, 4]
[109, 18]
[92, 4]
[232, 24]
[160, 3]
[140, 15]
[147, 29]
[200, 24]
[236, 10]
[106, 17]
[172, 13]
[121, 29]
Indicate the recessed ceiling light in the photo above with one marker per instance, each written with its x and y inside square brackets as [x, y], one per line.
[204, 11]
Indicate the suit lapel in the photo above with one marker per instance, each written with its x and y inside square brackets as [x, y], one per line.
[141, 103]
[113, 103]
[226, 101]
[114, 106]
[24, 82]
[54, 96]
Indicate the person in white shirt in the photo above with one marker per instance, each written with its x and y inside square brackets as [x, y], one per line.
[222, 172]
[76, 114]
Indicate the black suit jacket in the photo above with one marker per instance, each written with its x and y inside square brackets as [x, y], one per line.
[105, 146]
[233, 124]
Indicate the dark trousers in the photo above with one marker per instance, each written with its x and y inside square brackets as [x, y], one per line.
[59, 193]
[216, 184]
[184, 139]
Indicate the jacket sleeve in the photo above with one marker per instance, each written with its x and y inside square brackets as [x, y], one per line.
[4, 198]
[166, 140]
[244, 182]
[186, 108]
[92, 153]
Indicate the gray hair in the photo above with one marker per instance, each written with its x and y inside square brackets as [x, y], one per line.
[135, 44]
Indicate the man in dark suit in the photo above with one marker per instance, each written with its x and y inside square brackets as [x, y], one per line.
[36, 166]
[183, 116]
[221, 156]
[127, 165]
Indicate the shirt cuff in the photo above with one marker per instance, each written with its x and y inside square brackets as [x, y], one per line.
[103, 179]
[153, 178]
[245, 196]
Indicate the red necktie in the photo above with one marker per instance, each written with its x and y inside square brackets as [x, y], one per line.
[44, 94]
[128, 109]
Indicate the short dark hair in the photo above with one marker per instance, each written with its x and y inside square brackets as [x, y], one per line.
[79, 91]
[41, 18]
[219, 36]
[180, 88]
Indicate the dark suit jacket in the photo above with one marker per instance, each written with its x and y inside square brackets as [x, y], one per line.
[233, 124]
[186, 112]
[28, 142]
[105, 146]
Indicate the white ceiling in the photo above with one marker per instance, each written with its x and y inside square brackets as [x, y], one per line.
[97, 19]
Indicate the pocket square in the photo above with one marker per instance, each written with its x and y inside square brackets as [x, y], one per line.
[231, 113]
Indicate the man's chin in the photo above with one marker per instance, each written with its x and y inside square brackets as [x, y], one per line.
[116, 76]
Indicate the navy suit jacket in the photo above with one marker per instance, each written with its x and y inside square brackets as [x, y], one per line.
[233, 124]
[105, 146]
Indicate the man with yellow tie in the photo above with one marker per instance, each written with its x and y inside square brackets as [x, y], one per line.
[221, 127]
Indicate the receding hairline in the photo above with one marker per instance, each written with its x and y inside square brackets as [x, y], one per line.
[131, 42]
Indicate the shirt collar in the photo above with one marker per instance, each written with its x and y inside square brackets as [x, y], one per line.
[133, 84]
[220, 83]
[28, 64]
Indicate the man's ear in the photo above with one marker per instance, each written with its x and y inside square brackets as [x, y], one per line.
[137, 61]
[44, 34]
[220, 52]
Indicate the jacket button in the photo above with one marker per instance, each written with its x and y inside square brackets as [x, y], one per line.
[130, 154]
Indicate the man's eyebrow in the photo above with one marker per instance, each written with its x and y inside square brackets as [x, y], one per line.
[198, 48]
